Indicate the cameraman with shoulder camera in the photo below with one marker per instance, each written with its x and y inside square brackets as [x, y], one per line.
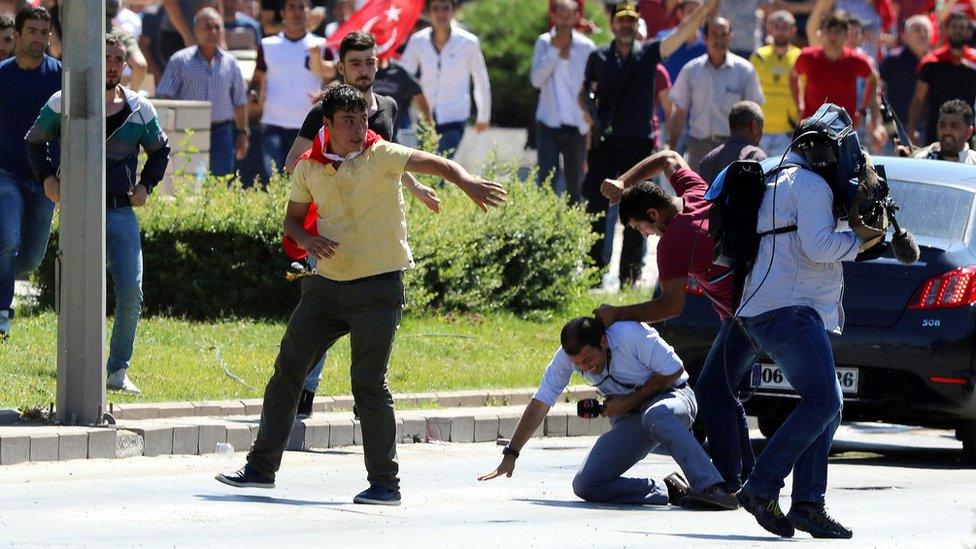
[791, 301]
[649, 403]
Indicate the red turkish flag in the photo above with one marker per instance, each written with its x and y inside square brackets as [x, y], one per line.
[389, 21]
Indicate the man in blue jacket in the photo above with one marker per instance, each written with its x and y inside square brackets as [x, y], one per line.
[130, 122]
[26, 79]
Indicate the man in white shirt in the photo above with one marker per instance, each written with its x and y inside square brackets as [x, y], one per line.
[286, 82]
[706, 89]
[449, 58]
[955, 129]
[558, 66]
[650, 405]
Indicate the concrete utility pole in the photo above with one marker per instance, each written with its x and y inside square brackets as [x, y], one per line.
[81, 253]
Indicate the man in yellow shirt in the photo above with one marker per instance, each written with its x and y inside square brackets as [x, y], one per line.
[362, 249]
[773, 63]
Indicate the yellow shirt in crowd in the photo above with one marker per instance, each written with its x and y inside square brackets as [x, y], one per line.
[360, 207]
[774, 78]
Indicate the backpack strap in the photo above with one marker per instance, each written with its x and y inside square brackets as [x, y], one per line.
[774, 171]
[778, 230]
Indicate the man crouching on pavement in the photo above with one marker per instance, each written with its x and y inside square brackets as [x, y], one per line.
[362, 249]
[649, 403]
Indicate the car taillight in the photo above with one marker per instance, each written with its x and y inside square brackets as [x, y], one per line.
[692, 287]
[955, 288]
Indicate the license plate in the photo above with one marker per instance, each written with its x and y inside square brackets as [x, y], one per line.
[769, 376]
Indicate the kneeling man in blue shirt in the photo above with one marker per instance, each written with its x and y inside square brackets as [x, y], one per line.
[650, 405]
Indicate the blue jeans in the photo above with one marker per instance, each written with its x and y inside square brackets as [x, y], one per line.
[123, 251]
[277, 143]
[666, 422]
[25, 226]
[728, 363]
[222, 149]
[795, 338]
[451, 134]
[565, 141]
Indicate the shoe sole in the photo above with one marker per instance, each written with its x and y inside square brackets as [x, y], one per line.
[367, 501]
[742, 504]
[235, 484]
[711, 505]
[799, 526]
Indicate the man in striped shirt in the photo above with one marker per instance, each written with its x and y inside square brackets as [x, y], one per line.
[204, 72]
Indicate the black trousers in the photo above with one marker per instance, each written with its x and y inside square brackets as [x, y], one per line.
[610, 159]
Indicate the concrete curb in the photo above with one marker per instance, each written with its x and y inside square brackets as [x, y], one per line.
[405, 401]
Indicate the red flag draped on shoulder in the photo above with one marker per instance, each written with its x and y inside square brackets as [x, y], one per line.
[317, 154]
[389, 21]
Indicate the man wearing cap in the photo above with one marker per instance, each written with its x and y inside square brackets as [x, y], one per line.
[618, 95]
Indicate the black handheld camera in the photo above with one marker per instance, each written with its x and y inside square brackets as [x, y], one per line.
[589, 408]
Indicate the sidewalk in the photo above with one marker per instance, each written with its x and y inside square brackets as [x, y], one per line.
[196, 428]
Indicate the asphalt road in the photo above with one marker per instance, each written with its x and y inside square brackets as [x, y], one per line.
[895, 486]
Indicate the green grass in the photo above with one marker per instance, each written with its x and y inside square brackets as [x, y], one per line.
[178, 360]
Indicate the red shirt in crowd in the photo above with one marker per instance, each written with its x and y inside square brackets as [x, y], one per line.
[657, 16]
[831, 81]
[662, 82]
[686, 249]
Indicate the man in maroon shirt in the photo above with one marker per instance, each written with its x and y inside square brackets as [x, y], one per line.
[684, 257]
[829, 73]
[947, 73]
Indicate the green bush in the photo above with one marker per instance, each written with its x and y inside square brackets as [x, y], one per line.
[216, 252]
[508, 30]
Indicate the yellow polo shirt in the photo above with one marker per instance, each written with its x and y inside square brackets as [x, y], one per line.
[360, 207]
[774, 78]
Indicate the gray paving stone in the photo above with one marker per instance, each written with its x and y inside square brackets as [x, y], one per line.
[210, 435]
[496, 397]
[399, 430]
[102, 444]
[341, 403]
[414, 400]
[462, 429]
[72, 444]
[439, 428]
[134, 411]
[43, 447]
[599, 425]
[507, 423]
[577, 426]
[231, 407]
[157, 440]
[254, 431]
[485, 428]
[186, 439]
[297, 438]
[316, 435]
[127, 444]
[253, 406]
[357, 432]
[519, 397]
[456, 399]
[323, 403]
[14, 448]
[556, 424]
[341, 433]
[206, 408]
[175, 409]
[414, 429]
[239, 436]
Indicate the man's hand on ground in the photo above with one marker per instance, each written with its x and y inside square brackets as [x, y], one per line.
[486, 194]
[506, 467]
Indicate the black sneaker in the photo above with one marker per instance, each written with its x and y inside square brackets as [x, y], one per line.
[246, 477]
[813, 519]
[715, 497]
[378, 495]
[767, 513]
[305, 403]
[678, 488]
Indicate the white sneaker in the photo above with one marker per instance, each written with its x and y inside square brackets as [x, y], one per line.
[119, 381]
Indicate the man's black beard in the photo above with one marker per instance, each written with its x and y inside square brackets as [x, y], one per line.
[956, 43]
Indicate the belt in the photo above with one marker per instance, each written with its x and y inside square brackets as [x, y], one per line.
[681, 385]
[215, 124]
[393, 275]
[117, 201]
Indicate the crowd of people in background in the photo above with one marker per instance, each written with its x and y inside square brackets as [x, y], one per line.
[713, 80]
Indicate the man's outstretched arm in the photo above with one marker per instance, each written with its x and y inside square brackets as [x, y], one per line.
[531, 418]
[484, 193]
